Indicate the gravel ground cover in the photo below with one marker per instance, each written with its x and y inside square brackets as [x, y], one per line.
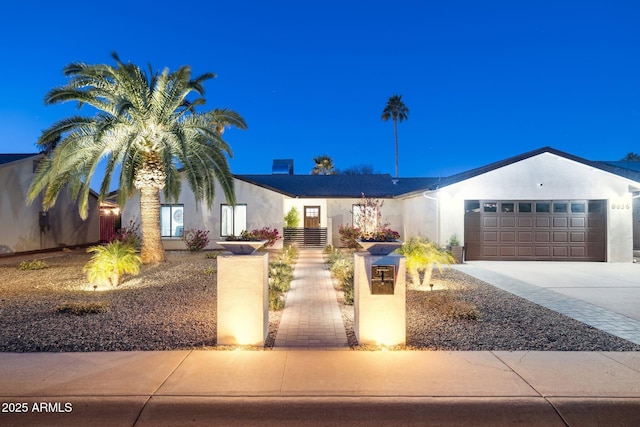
[467, 314]
[167, 307]
[172, 306]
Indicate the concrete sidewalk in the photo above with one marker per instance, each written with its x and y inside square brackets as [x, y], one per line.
[247, 388]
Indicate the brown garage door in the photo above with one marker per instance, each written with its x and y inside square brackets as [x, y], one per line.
[556, 230]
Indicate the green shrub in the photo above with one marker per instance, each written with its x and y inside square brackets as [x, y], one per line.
[35, 264]
[82, 308]
[292, 218]
[290, 253]
[210, 271]
[421, 255]
[111, 262]
[280, 275]
[341, 267]
[276, 300]
[212, 255]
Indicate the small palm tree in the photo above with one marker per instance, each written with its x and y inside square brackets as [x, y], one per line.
[397, 111]
[324, 166]
[421, 256]
[111, 262]
[145, 125]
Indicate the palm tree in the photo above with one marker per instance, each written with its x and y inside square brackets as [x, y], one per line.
[397, 111]
[145, 128]
[631, 157]
[324, 166]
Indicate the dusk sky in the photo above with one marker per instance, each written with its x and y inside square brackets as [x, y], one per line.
[483, 80]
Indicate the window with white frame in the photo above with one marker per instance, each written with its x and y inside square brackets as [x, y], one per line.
[172, 220]
[233, 220]
[365, 217]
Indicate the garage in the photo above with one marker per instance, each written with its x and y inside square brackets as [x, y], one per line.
[541, 230]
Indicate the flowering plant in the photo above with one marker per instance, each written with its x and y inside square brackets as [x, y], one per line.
[196, 240]
[129, 235]
[382, 234]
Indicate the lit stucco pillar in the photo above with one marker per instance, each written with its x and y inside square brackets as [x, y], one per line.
[243, 299]
[380, 316]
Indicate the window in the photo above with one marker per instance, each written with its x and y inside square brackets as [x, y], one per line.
[472, 206]
[233, 220]
[506, 207]
[172, 220]
[524, 207]
[490, 206]
[365, 217]
[560, 207]
[597, 206]
[543, 207]
[577, 208]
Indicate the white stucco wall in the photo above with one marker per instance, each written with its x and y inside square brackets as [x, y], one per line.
[340, 213]
[20, 227]
[264, 209]
[545, 177]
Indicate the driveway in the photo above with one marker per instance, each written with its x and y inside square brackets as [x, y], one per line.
[611, 286]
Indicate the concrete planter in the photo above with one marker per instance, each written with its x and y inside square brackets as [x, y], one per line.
[242, 247]
[458, 253]
[380, 248]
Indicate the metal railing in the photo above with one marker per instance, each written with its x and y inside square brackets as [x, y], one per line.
[306, 237]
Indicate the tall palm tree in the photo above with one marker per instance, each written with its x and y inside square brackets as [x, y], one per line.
[324, 166]
[145, 127]
[397, 111]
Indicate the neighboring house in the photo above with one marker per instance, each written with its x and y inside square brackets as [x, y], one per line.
[540, 205]
[27, 228]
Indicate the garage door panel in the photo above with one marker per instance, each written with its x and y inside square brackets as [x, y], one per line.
[578, 222]
[508, 221]
[525, 221]
[542, 222]
[490, 222]
[560, 222]
[525, 236]
[555, 231]
[543, 236]
[560, 236]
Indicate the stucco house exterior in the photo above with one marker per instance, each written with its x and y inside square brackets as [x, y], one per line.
[27, 228]
[540, 205]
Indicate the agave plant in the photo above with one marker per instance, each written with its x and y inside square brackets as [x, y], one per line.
[111, 262]
[421, 256]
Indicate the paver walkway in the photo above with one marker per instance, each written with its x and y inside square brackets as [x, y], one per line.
[590, 314]
[311, 318]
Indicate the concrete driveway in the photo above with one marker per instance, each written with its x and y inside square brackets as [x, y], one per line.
[603, 295]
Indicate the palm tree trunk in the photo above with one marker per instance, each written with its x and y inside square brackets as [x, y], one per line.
[395, 134]
[152, 251]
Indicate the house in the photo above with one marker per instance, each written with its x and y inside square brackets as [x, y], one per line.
[540, 205]
[29, 228]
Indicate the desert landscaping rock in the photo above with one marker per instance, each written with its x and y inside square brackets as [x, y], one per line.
[173, 306]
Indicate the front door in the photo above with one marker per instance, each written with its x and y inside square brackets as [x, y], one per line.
[311, 216]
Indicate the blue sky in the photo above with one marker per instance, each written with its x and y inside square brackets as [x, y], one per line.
[483, 80]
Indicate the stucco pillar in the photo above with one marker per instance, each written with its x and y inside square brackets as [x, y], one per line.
[379, 319]
[243, 299]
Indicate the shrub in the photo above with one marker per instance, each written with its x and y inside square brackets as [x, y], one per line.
[195, 240]
[82, 308]
[290, 253]
[292, 218]
[268, 234]
[349, 236]
[129, 235]
[110, 262]
[35, 264]
[422, 254]
[341, 268]
[280, 275]
[212, 255]
[276, 300]
[210, 271]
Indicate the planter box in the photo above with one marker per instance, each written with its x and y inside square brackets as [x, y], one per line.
[380, 248]
[458, 253]
[242, 247]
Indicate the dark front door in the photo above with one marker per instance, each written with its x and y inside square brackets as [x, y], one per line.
[311, 216]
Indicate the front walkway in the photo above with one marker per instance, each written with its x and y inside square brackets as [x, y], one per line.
[311, 318]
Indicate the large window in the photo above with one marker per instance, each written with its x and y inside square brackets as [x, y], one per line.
[172, 220]
[233, 220]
